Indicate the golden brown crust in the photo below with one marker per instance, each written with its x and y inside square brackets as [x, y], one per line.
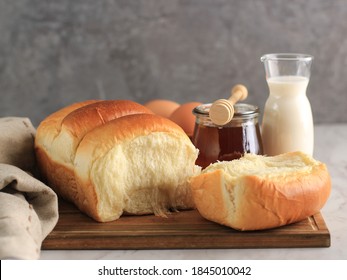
[86, 131]
[57, 175]
[60, 133]
[253, 202]
[115, 132]
[82, 120]
[52, 124]
[50, 170]
[121, 129]
[77, 120]
[210, 197]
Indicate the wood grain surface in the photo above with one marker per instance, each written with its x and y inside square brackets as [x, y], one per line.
[185, 229]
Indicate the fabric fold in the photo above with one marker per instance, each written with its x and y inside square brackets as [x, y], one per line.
[28, 207]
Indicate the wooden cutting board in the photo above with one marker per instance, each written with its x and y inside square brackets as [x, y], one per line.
[185, 229]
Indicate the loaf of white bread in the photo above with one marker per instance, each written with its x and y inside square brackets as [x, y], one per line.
[259, 192]
[115, 157]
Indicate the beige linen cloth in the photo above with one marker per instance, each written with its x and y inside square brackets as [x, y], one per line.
[28, 208]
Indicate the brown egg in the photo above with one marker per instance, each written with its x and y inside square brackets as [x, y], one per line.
[162, 107]
[183, 116]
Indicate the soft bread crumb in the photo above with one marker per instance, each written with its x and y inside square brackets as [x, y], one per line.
[78, 145]
[259, 192]
[265, 167]
[129, 170]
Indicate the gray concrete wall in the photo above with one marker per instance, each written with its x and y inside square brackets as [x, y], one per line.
[53, 53]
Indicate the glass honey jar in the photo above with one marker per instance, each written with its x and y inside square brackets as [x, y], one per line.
[231, 141]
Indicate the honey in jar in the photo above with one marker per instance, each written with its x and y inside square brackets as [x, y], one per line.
[231, 141]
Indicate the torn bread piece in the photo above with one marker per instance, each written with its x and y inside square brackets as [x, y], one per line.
[259, 192]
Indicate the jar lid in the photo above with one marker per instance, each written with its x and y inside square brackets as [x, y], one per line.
[241, 110]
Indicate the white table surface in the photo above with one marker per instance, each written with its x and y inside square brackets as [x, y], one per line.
[330, 148]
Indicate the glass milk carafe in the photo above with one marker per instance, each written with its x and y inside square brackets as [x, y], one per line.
[287, 122]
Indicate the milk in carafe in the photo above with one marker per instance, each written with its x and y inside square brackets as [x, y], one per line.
[287, 122]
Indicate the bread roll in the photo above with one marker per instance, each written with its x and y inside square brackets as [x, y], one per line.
[115, 157]
[258, 192]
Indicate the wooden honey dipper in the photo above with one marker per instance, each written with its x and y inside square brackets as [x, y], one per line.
[222, 110]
